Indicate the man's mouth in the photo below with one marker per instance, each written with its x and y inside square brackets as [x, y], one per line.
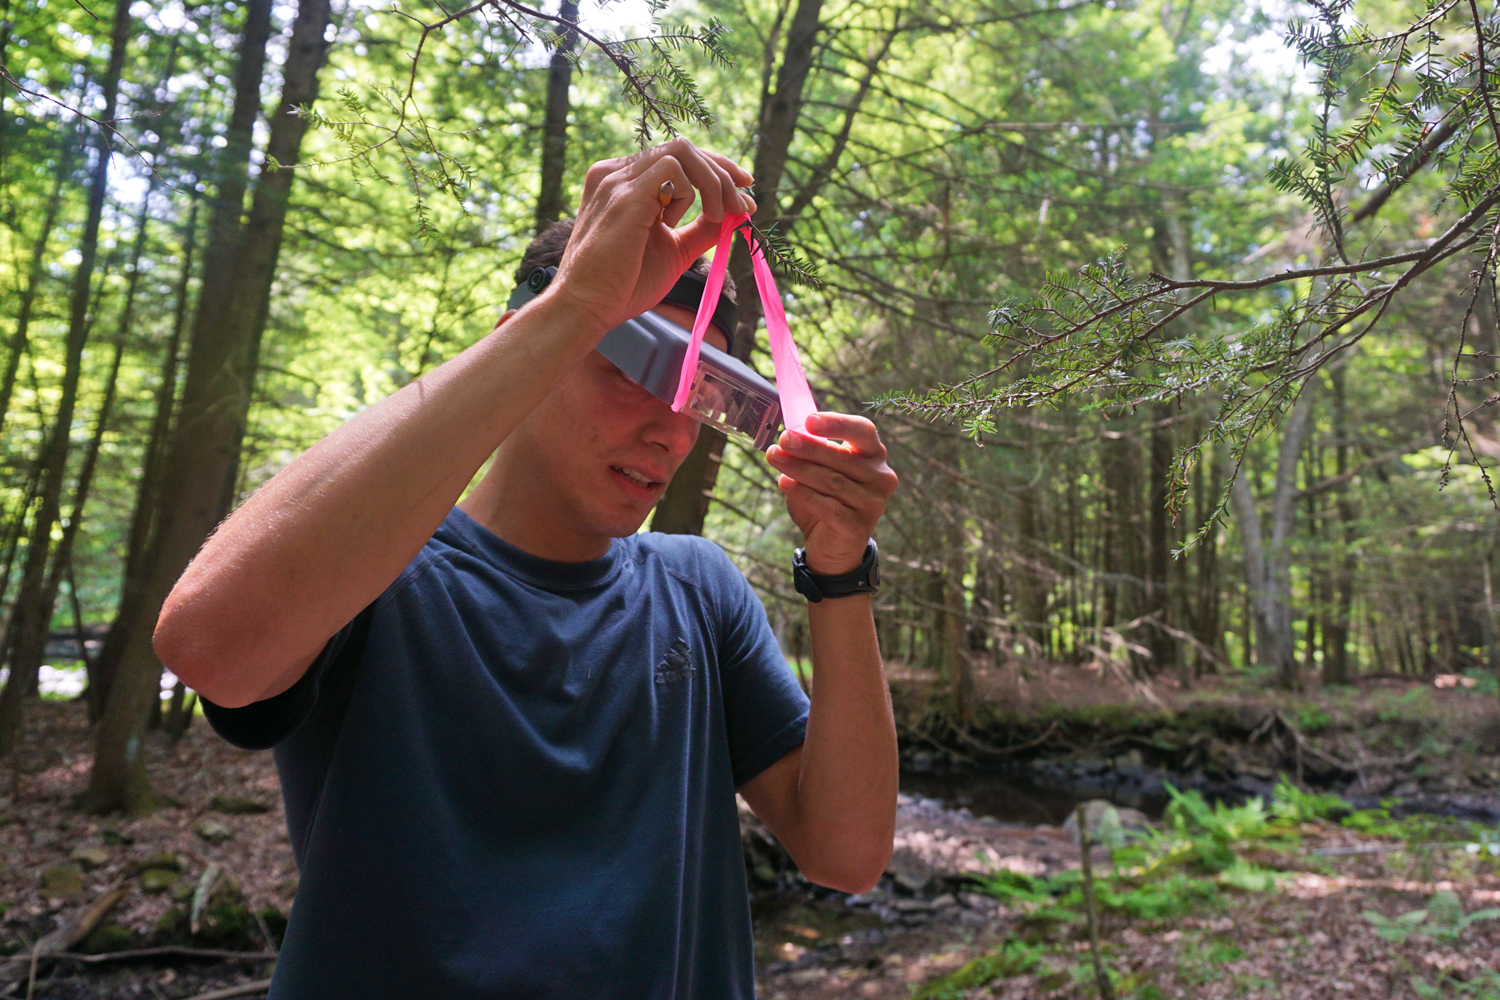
[636, 478]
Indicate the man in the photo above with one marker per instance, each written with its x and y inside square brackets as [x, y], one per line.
[510, 732]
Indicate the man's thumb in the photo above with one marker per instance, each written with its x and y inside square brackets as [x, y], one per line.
[702, 235]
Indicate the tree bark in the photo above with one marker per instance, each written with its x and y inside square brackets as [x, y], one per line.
[119, 778]
[203, 461]
[1120, 468]
[549, 201]
[30, 619]
[30, 648]
[1268, 561]
[1159, 597]
[684, 506]
[19, 339]
[1336, 630]
[148, 491]
[1206, 568]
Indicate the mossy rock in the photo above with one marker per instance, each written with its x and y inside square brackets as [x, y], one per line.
[172, 927]
[228, 925]
[109, 937]
[165, 859]
[212, 831]
[226, 922]
[90, 857]
[159, 880]
[62, 882]
[275, 922]
[236, 805]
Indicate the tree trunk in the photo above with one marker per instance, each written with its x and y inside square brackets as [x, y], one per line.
[1159, 598]
[148, 491]
[1206, 568]
[1268, 561]
[203, 461]
[1491, 631]
[685, 504]
[1120, 463]
[1336, 631]
[34, 278]
[30, 619]
[119, 778]
[30, 647]
[549, 201]
[1030, 584]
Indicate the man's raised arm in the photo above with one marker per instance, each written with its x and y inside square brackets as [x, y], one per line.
[832, 801]
[320, 541]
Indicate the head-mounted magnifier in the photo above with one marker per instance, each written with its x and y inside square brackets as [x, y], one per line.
[726, 393]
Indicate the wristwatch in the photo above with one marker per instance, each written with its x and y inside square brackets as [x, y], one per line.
[864, 579]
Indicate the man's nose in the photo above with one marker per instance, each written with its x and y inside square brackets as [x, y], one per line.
[675, 432]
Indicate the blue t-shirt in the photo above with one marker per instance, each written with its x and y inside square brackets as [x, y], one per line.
[511, 777]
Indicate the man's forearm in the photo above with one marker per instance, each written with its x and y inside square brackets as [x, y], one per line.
[846, 797]
[324, 537]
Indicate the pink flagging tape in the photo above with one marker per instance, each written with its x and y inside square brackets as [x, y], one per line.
[791, 381]
[711, 288]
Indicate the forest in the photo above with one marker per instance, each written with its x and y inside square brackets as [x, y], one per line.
[1179, 317]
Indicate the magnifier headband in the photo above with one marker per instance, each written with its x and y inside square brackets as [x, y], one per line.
[726, 393]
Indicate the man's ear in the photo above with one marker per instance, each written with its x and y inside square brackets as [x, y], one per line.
[505, 316]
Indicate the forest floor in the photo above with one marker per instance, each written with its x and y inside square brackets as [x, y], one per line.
[931, 928]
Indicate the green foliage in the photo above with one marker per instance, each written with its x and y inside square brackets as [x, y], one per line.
[1395, 106]
[1486, 684]
[1442, 919]
[1207, 835]
[1484, 985]
[1013, 958]
[1291, 804]
[1169, 874]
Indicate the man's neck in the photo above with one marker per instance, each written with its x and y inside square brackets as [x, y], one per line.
[509, 504]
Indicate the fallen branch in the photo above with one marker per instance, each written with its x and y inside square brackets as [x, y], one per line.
[242, 990]
[984, 747]
[931, 741]
[169, 950]
[67, 934]
[1084, 847]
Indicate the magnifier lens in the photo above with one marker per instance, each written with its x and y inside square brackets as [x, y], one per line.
[733, 405]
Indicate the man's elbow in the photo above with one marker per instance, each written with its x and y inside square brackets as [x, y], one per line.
[853, 872]
[184, 648]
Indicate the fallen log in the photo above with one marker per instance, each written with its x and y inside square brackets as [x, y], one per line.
[69, 931]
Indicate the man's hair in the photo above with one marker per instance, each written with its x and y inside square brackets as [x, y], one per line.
[546, 250]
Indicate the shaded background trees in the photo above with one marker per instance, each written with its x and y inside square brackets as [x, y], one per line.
[181, 320]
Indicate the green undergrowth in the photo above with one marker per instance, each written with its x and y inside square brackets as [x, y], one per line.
[1201, 857]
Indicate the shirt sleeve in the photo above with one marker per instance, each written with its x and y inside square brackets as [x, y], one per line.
[263, 724]
[765, 708]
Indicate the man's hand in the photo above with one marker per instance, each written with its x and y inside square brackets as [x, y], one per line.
[836, 482]
[624, 253]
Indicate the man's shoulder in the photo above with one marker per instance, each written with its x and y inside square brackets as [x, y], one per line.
[684, 550]
[690, 557]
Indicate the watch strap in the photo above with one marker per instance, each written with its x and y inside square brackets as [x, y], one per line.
[863, 579]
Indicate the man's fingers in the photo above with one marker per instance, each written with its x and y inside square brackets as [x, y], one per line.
[599, 171]
[843, 458]
[714, 181]
[867, 498]
[739, 174]
[696, 238]
[809, 504]
[858, 432]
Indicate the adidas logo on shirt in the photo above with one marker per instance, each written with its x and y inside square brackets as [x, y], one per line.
[675, 667]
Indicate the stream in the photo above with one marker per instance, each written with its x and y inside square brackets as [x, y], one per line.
[1045, 792]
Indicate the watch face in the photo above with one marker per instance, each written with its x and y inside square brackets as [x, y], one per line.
[875, 575]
